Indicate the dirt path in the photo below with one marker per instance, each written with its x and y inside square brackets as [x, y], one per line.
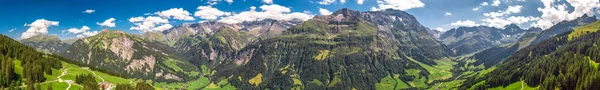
[522, 85]
[64, 72]
[94, 74]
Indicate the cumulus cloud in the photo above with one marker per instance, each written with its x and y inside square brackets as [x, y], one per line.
[480, 6]
[87, 34]
[439, 29]
[447, 14]
[210, 13]
[495, 3]
[110, 22]
[326, 2]
[509, 10]
[502, 22]
[502, 18]
[39, 26]
[484, 4]
[476, 8]
[324, 11]
[89, 11]
[360, 1]
[149, 24]
[176, 13]
[267, 1]
[466, 23]
[554, 13]
[77, 31]
[273, 11]
[398, 4]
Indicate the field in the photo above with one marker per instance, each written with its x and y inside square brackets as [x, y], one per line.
[441, 71]
[60, 78]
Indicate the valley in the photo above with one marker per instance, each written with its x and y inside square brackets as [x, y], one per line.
[380, 49]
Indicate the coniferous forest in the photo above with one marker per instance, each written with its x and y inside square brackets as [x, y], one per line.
[300, 45]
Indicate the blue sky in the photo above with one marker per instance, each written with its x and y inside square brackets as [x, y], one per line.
[18, 15]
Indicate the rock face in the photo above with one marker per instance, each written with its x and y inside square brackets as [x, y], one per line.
[130, 55]
[347, 49]
[465, 40]
[45, 43]
[217, 41]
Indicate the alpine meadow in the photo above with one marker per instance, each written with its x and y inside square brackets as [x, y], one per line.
[300, 45]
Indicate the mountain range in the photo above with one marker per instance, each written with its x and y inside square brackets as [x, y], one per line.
[348, 50]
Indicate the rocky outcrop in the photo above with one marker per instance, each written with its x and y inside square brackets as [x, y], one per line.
[465, 40]
[146, 64]
[123, 47]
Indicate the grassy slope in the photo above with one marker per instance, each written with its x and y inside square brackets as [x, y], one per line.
[590, 28]
[515, 86]
[72, 71]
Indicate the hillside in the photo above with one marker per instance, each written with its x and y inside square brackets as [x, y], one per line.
[497, 54]
[25, 68]
[131, 56]
[561, 62]
[330, 52]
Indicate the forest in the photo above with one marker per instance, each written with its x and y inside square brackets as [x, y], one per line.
[556, 63]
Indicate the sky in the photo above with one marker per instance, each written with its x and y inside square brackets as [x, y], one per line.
[81, 18]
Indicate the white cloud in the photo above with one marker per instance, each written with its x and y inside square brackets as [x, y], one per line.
[342, 1]
[11, 30]
[149, 23]
[495, 3]
[501, 22]
[267, 1]
[163, 27]
[87, 34]
[89, 11]
[508, 11]
[326, 2]
[554, 13]
[176, 13]
[447, 14]
[439, 29]
[210, 13]
[324, 11]
[39, 26]
[502, 18]
[360, 1]
[476, 8]
[77, 31]
[273, 11]
[398, 4]
[466, 23]
[110, 22]
[484, 4]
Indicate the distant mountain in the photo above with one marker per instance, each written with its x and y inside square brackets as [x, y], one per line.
[132, 56]
[465, 40]
[262, 28]
[497, 54]
[45, 43]
[565, 26]
[566, 61]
